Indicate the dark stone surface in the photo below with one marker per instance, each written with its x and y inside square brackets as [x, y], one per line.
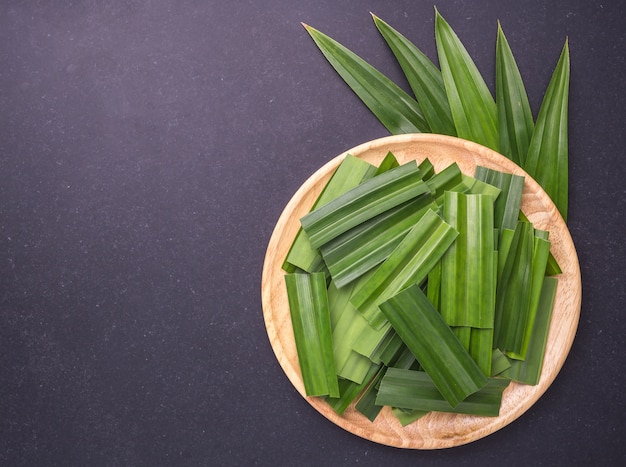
[146, 150]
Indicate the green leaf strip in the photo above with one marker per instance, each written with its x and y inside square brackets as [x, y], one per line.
[541, 253]
[513, 293]
[468, 276]
[408, 264]
[350, 173]
[350, 391]
[426, 334]
[507, 206]
[528, 371]
[416, 390]
[363, 202]
[365, 246]
[310, 318]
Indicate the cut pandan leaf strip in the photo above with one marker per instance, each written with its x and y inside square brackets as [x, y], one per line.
[363, 202]
[408, 264]
[346, 329]
[370, 340]
[350, 173]
[478, 187]
[430, 339]
[407, 416]
[349, 391]
[552, 268]
[424, 78]
[513, 293]
[528, 371]
[403, 358]
[507, 206]
[445, 180]
[547, 159]
[468, 279]
[366, 404]
[389, 162]
[481, 348]
[395, 109]
[355, 367]
[387, 352]
[433, 285]
[364, 247]
[427, 169]
[349, 328]
[416, 390]
[472, 105]
[479, 343]
[541, 253]
[310, 318]
[499, 363]
[515, 119]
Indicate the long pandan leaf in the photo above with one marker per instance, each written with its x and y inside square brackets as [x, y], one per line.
[547, 158]
[395, 109]
[424, 78]
[473, 107]
[515, 119]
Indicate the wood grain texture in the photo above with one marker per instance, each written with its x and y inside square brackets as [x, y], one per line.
[435, 430]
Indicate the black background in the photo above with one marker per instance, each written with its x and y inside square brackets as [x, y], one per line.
[147, 149]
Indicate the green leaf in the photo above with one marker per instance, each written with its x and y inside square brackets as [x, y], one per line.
[409, 263]
[513, 293]
[507, 206]
[310, 318]
[424, 78]
[468, 276]
[434, 344]
[350, 173]
[446, 179]
[528, 371]
[407, 416]
[349, 391]
[416, 390]
[473, 107]
[363, 202]
[499, 362]
[541, 253]
[515, 119]
[388, 163]
[547, 159]
[395, 109]
[364, 247]
[366, 404]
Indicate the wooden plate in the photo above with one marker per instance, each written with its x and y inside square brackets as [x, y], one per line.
[435, 430]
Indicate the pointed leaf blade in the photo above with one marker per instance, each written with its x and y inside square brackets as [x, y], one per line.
[395, 109]
[473, 107]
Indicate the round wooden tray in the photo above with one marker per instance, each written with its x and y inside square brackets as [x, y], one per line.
[435, 430]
